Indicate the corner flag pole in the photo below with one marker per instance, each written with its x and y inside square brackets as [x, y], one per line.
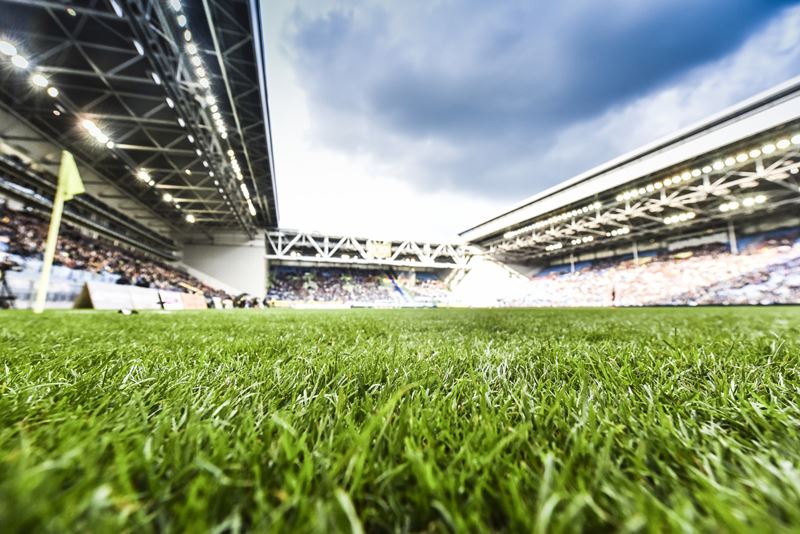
[69, 185]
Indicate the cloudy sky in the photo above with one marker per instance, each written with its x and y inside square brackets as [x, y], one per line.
[422, 118]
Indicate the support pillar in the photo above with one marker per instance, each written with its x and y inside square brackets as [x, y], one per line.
[571, 263]
[732, 238]
[635, 253]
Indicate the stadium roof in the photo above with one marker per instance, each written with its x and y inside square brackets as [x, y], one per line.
[295, 246]
[709, 172]
[166, 100]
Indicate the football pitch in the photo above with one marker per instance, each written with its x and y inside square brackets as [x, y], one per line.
[401, 420]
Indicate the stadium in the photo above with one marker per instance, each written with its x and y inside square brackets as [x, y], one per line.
[618, 352]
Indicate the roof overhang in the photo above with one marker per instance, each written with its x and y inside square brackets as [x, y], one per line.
[758, 115]
[166, 100]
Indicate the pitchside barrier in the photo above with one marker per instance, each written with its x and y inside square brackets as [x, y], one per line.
[104, 296]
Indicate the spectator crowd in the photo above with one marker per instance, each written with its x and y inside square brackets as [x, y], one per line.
[353, 286]
[767, 271]
[23, 234]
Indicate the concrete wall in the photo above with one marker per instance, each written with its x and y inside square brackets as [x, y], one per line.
[242, 267]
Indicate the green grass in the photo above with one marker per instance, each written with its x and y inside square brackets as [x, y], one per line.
[435, 420]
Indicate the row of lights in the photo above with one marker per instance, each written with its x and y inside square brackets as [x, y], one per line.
[748, 202]
[582, 240]
[193, 52]
[588, 239]
[97, 133]
[554, 219]
[38, 79]
[718, 165]
[681, 217]
[618, 231]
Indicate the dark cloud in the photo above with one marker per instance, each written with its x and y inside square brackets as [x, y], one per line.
[496, 80]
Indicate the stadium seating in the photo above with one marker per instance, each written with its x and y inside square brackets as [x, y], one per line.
[79, 259]
[766, 271]
[358, 287]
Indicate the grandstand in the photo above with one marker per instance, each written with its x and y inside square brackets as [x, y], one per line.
[673, 223]
[164, 107]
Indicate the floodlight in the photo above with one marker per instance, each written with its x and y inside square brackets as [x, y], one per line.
[19, 62]
[39, 80]
[7, 48]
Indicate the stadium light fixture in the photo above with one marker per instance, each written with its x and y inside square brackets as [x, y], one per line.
[181, 20]
[19, 62]
[52, 91]
[768, 148]
[39, 80]
[182, 122]
[681, 217]
[190, 219]
[95, 132]
[796, 139]
[156, 78]
[7, 48]
[167, 197]
[143, 175]
[175, 5]
[138, 46]
[618, 231]
[110, 145]
[783, 144]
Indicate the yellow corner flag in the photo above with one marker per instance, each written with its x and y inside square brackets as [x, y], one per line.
[69, 185]
[69, 179]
